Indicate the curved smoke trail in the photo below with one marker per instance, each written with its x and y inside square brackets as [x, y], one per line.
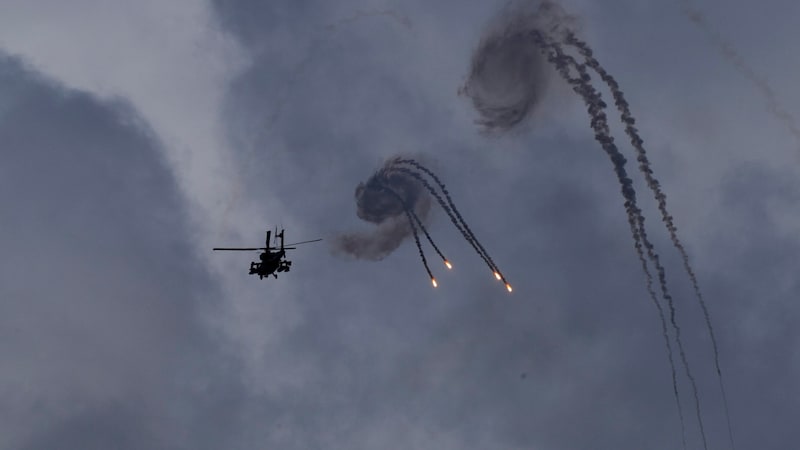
[456, 217]
[458, 222]
[599, 122]
[377, 205]
[502, 59]
[392, 191]
[644, 166]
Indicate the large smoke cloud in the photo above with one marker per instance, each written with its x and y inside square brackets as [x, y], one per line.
[382, 200]
[508, 74]
[504, 84]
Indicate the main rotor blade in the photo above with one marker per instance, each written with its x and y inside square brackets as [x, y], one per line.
[239, 249]
[305, 242]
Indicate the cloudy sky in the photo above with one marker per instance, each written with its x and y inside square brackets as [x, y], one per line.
[136, 136]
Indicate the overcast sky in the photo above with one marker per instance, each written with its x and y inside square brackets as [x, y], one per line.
[136, 136]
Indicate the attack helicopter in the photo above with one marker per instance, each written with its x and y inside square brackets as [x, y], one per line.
[272, 259]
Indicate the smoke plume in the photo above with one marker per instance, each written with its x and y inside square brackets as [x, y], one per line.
[382, 200]
[397, 189]
[508, 76]
[505, 84]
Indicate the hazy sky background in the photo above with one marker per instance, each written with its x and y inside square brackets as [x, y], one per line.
[134, 137]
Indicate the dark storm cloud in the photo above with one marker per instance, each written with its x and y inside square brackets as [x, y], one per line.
[271, 107]
[390, 362]
[253, 20]
[384, 363]
[101, 292]
[456, 367]
[757, 319]
[773, 101]
[112, 427]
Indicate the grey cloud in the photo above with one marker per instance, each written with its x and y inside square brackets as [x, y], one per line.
[579, 326]
[102, 295]
[377, 359]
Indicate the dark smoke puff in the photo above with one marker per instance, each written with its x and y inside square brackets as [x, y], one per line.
[377, 199]
[377, 204]
[508, 73]
[377, 244]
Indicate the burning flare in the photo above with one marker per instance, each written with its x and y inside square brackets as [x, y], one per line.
[433, 281]
[508, 286]
[447, 263]
[497, 275]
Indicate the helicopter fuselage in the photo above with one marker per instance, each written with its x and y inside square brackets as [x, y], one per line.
[271, 262]
[272, 259]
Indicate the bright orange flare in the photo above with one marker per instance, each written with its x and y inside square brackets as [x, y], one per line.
[497, 275]
[447, 263]
[508, 286]
[435, 284]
